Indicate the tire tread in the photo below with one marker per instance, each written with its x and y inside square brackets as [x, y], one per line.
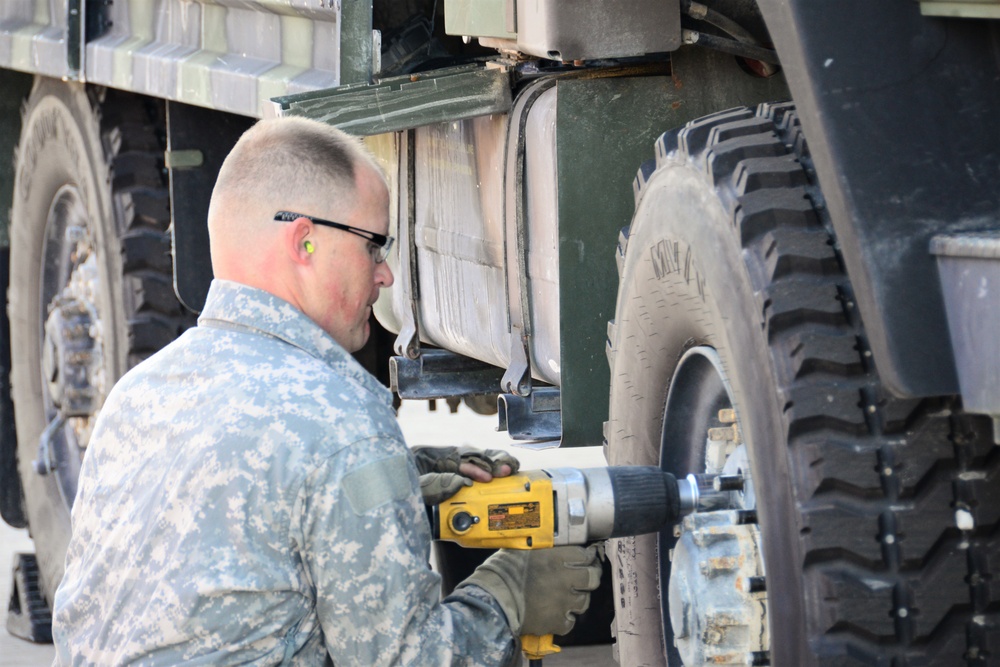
[133, 134]
[891, 578]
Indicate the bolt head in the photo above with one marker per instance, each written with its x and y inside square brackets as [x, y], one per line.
[727, 416]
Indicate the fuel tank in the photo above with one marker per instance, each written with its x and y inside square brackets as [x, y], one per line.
[473, 275]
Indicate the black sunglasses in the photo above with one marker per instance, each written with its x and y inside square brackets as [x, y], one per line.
[380, 243]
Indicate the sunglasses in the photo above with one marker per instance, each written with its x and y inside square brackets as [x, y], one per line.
[379, 244]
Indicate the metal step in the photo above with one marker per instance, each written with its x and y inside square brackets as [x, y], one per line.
[537, 416]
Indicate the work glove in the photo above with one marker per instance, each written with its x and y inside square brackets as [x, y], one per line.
[437, 487]
[440, 469]
[543, 590]
[450, 459]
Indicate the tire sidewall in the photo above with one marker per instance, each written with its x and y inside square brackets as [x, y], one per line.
[684, 284]
[60, 144]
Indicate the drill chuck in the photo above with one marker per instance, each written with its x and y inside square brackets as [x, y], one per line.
[646, 499]
[598, 503]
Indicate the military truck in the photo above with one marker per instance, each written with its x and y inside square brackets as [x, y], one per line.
[759, 237]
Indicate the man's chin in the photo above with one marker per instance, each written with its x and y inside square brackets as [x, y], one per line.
[362, 339]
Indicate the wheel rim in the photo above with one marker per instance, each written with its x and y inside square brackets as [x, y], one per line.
[74, 378]
[712, 576]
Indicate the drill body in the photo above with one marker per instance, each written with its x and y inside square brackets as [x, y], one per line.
[541, 509]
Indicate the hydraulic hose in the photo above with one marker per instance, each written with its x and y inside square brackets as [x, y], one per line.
[730, 46]
[701, 12]
[743, 42]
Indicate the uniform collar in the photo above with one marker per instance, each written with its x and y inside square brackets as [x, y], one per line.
[232, 305]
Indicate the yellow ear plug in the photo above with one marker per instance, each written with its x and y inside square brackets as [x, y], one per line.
[309, 247]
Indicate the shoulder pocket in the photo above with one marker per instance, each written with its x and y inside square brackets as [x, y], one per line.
[377, 483]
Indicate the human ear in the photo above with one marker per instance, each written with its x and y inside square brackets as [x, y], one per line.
[297, 242]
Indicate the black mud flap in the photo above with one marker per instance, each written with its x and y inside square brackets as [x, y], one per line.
[11, 496]
[28, 615]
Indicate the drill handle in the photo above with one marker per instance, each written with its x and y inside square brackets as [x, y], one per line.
[536, 647]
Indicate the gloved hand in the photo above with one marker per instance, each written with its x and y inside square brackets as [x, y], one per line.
[451, 459]
[445, 470]
[437, 487]
[541, 591]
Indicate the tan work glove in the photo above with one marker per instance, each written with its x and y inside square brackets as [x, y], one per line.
[450, 459]
[541, 591]
[445, 470]
[437, 487]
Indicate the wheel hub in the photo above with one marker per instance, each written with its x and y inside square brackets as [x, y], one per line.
[68, 357]
[714, 583]
[73, 363]
[716, 610]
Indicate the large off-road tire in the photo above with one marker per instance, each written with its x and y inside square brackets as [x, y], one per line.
[90, 282]
[878, 520]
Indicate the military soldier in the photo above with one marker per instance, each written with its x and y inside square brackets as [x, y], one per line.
[247, 497]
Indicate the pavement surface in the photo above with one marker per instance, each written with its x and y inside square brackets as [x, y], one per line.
[421, 426]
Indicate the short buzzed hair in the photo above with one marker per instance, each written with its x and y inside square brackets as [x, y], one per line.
[284, 161]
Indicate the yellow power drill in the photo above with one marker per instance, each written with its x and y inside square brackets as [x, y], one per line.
[540, 509]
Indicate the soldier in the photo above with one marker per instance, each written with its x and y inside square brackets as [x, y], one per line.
[247, 496]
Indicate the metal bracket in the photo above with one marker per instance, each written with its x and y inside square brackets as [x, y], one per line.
[408, 341]
[517, 379]
[75, 38]
[405, 101]
[534, 417]
[442, 374]
[45, 463]
[190, 158]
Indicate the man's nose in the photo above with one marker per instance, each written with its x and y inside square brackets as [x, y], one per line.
[383, 275]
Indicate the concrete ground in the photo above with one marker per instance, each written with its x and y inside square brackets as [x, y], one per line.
[421, 427]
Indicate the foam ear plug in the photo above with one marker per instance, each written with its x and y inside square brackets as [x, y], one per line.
[309, 247]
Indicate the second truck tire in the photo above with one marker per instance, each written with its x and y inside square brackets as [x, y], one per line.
[90, 282]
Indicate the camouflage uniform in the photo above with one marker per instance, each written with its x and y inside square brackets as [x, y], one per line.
[247, 498]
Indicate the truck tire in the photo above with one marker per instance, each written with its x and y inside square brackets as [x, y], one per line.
[867, 529]
[90, 283]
